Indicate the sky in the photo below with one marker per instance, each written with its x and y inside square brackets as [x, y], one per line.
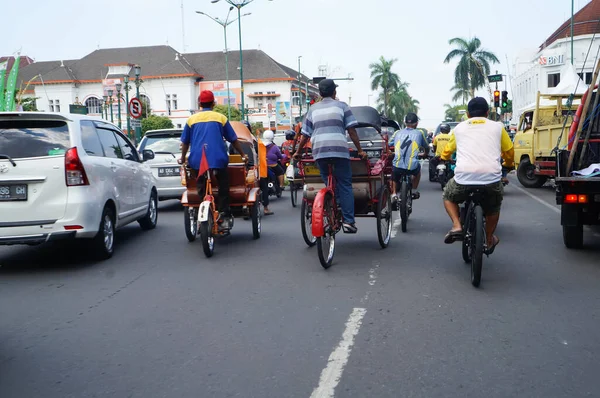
[345, 35]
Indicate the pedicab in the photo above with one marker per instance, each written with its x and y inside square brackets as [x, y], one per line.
[201, 215]
[321, 214]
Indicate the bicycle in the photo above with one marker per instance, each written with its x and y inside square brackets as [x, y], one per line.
[405, 199]
[326, 217]
[474, 236]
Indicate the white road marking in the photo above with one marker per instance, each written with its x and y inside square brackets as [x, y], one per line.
[331, 375]
[548, 205]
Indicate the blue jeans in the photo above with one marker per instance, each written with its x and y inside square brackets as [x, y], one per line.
[342, 172]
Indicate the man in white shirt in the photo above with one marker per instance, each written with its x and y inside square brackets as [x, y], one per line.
[480, 145]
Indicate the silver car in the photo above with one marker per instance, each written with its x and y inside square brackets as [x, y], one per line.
[166, 145]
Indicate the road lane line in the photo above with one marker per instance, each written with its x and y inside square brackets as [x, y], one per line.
[331, 375]
[548, 205]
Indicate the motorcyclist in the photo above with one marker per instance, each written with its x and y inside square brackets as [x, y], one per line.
[274, 155]
[287, 147]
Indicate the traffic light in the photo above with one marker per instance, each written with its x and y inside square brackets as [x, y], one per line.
[505, 99]
[496, 98]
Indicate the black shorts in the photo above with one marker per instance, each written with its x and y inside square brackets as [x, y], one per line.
[397, 173]
[277, 169]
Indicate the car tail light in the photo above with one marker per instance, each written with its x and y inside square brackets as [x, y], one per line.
[572, 198]
[74, 171]
[73, 227]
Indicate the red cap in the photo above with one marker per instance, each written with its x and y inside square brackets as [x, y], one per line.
[206, 96]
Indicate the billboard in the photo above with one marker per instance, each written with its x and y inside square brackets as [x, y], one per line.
[219, 89]
[283, 115]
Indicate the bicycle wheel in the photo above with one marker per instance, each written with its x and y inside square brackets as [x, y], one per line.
[465, 218]
[384, 217]
[190, 219]
[477, 246]
[294, 193]
[404, 192]
[326, 243]
[306, 224]
[206, 235]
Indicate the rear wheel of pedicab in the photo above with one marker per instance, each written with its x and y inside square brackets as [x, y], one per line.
[206, 235]
[477, 245]
[326, 243]
[306, 224]
[190, 220]
[294, 193]
[404, 193]
[384, 217]
[256, 219]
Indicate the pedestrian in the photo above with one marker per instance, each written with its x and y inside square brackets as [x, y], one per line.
[326, 124]
[203, 135]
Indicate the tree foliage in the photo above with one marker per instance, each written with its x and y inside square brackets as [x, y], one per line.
[453, 114]
[473, 63]
[236, 115]
[400, 103]
[154, 122]
[383, 78]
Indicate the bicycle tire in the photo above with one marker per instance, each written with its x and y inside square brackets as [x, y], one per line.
[294, 194]
[326, 243]
[466, 224]
[477, 244]
[190, 218]
[404, 192]
[306, 224]
[206, 235]
[384, 214]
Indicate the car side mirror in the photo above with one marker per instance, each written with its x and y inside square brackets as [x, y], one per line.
[147, 154]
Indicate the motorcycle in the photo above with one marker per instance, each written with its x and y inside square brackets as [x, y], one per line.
[444, 172]
[274, 188]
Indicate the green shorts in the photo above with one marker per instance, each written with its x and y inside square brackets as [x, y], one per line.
[492, 200]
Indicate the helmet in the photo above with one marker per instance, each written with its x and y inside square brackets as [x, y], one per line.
[290, 135]
[445, 128]
[268, 136]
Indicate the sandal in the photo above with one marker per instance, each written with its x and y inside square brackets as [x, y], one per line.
[453, 236]
[491, 249]
[269, 213]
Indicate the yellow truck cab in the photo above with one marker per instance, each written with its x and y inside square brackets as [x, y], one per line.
[539, 133]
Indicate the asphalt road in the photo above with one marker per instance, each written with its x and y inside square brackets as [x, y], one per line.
[263, 319]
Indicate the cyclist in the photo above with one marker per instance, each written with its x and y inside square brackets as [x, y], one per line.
[326, 124]
[203, 135]
[479, 144]
[407, 145]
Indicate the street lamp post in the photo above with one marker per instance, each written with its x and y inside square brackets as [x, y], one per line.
[138, 81]
[239, 4]
[127, 88]
[225, 25]
[110, 95]
[105, 106]
[299, 87]
[118, 87]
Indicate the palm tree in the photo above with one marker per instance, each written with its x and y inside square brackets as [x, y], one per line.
[460, 94]
[473, 65]
[383, 77]
[400, 103]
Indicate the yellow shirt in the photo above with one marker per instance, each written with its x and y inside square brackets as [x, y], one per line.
[439, 142]
[480, 145]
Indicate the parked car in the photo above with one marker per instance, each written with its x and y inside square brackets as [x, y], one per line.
[65, 176]
[166, 145]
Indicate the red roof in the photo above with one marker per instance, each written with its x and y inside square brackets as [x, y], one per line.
[24, 61]
[585, 22]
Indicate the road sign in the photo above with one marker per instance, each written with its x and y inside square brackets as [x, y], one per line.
[136, 123]
[494, 78]
[135, 108]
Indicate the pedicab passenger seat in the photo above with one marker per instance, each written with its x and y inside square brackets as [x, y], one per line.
[237, 179]
[360, 171]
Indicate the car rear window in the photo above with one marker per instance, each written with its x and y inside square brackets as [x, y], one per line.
[33, 138]
[165, 144]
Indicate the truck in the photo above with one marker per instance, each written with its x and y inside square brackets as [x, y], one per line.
[539, 133]
[578, 175]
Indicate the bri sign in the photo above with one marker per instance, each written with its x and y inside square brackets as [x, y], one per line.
[552, 60]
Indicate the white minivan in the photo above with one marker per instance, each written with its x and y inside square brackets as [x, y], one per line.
[66, 176]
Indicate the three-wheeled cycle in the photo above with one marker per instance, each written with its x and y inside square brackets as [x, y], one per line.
[201, 215]
[321, 214]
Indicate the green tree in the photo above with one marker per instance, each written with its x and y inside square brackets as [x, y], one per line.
[257, 128]
[154, 122]
[400, 103]
[236, 115]
[473, 63]
[461, 94]
[146, 110]
[383, 77]
[453, 114]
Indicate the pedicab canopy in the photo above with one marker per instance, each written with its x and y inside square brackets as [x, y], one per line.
[242, 132]
[367, 117]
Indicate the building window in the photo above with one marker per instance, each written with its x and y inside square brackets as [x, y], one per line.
[171, 102]
[54, 105]
[553, 79]
[586, 77]
[178, 125]
[93, 105]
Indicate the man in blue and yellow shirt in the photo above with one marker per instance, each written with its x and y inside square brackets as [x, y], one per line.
[207, 130]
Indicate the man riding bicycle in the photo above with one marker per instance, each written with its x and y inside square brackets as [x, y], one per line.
[480, 144]
[203, 135]
[326, 124]
[407, 145]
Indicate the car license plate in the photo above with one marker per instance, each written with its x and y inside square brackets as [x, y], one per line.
[312, 171]
[13, 192]
[168, 171]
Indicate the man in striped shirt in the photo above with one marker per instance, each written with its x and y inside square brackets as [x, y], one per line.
[325, 125]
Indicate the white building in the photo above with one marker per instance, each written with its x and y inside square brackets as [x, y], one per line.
[171, 83]
[542, 69]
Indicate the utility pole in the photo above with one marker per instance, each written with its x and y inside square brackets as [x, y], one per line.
[572, 15]
[299, 87]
